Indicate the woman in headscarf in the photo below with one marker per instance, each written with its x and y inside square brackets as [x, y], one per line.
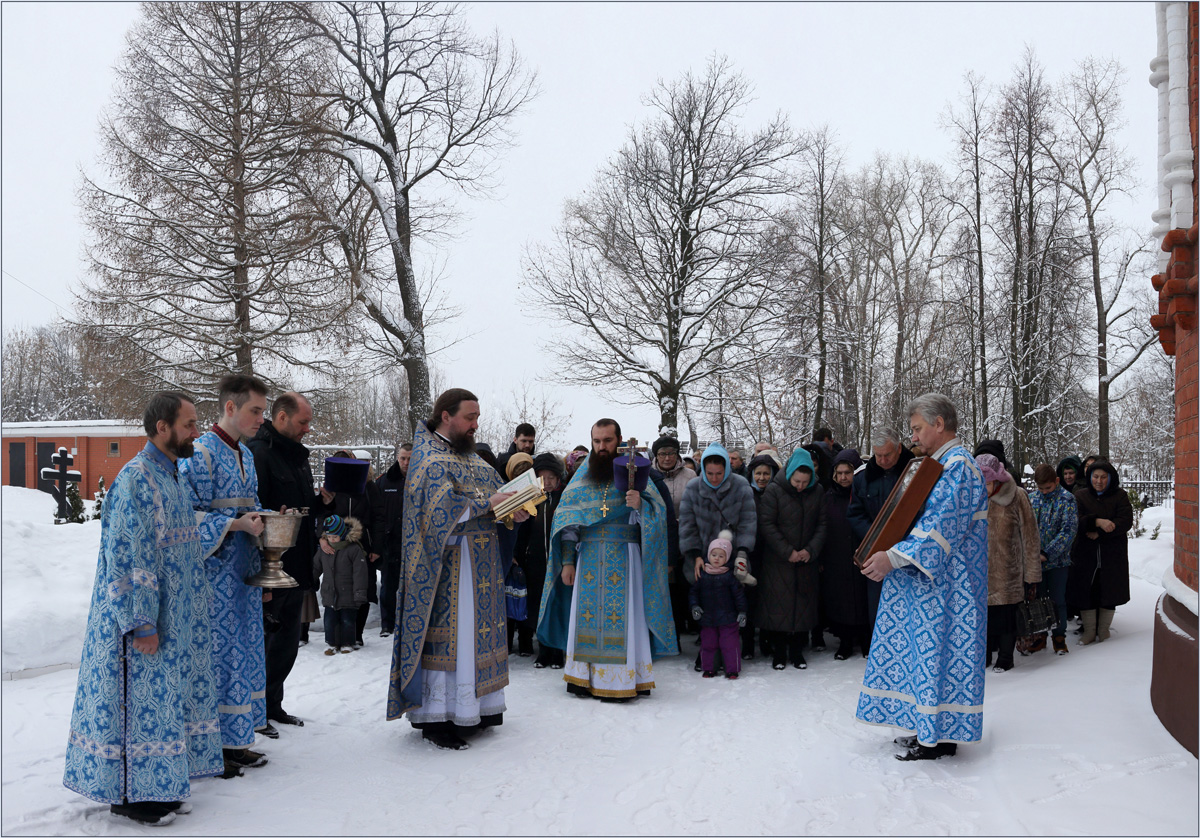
[843, 587]
[1099, 578]
[761, 470]
[1014, 557]
[791, 525]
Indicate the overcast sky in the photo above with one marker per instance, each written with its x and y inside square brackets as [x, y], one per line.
[879, 74]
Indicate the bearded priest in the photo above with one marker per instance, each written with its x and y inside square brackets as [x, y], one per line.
[450, 653]
[605, 599]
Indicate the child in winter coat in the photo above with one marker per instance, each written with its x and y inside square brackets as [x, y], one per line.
[719, 606]
[340, 565]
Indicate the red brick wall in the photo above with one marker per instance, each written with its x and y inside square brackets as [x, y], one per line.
[92, 459]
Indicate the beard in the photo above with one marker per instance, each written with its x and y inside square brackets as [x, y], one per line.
[463, 443]
[181, 448]
[600, 466]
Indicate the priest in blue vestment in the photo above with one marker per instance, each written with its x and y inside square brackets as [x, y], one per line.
[223, 489]
[450, 651]
[926, 667]
[605, 601]
[145, 716]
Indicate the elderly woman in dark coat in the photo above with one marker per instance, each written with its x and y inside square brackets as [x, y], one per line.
[760, 471]
[1099, 578]
[791, 525]
[843, 587]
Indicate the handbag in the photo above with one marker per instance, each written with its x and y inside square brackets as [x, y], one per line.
[1035, 615]
[516, 594]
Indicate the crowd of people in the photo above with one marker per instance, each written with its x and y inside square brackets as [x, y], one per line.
[625, 560]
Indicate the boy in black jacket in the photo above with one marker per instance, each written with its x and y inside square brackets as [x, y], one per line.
[719, 606]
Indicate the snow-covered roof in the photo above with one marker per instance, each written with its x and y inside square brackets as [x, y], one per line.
[74, 427]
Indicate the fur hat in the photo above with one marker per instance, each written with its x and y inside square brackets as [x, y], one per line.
[664, 442]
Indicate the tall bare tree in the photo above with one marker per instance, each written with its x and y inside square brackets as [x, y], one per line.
[1090, 163]
[680, 225]
[197, 241]
[412, 98]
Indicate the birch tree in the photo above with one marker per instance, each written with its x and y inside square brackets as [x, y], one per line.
[413, 99]
[680, 225]
[197, 241]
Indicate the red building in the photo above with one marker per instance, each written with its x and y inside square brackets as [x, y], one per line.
[99, 447]
[1173, 685]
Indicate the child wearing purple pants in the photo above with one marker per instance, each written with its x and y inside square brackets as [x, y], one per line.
[719, 606]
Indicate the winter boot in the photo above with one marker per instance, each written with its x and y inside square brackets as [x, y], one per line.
[779, 658]
[1089, 627]
[919, 751]
[818, 640]
[1060, 646]
[845, 649]
[1104, 623]
[148, 813]
[244, 757]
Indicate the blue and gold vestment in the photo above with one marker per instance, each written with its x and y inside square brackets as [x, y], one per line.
[144, 724]
[440, 487]
[601, 518]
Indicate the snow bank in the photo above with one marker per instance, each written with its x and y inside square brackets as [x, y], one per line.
[47, 572]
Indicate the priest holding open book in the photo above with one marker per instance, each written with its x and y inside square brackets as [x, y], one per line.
[606, 599]
[450, 653]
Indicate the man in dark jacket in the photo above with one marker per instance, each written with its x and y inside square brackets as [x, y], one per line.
[391, 518]
[532, 548]
[523, 442]
[869, 492]
[285, 480]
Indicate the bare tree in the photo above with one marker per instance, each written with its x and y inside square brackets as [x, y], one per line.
[679, 226]
[411, 98]
[1089, 162]
[969, 126]
[197, 242]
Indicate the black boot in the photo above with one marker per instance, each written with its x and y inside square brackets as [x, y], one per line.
[845, 650]
[444, 738]
[818, 640]
[919, 751]
[796, 650]
[148, 813]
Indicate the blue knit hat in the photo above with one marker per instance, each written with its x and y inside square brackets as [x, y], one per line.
[336, 526]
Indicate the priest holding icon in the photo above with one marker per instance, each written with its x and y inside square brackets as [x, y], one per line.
[606, 598]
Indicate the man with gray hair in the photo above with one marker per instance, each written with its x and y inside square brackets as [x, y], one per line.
[872, 485]
[925, 670]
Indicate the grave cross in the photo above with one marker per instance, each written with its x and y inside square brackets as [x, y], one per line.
[61, 476]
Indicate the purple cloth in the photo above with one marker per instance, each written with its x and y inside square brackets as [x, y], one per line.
[726, 638]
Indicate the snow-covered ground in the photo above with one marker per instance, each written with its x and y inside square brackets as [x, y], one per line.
[1071, 745]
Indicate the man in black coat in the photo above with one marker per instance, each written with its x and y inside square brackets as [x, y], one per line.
[285, 480]
[523, 441]
[530, 554]
[869, 492]
[390, 519]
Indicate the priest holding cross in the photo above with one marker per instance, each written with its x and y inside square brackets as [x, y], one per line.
[605, 599]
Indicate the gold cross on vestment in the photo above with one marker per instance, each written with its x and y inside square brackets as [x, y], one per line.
[485, 630]
[589, 578]
[604, 508]
[614, 618]
[484, 584]
[481, 541]
[613, 578]
[587, 615]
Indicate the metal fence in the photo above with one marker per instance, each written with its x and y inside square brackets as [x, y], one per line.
[1153, 492]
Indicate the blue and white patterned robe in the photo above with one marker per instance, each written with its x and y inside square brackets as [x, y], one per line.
[143, 725]
[220, 490]
[926, 668]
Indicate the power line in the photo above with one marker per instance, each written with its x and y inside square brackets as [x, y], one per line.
[39, 293]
